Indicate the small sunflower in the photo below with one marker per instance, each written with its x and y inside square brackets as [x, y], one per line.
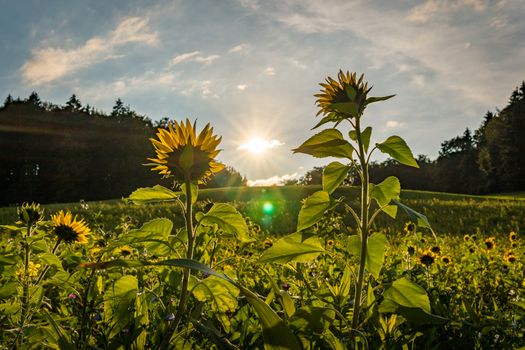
[70, 229]
[268, 242]
[513, 236]
[409, 227]
[183, 154]
[466, 238]
[490, 243]
[446, 260]
[427, 257]
[30, 214]
[509, 256]
[330, 242]
[123, 250]
[436, 249]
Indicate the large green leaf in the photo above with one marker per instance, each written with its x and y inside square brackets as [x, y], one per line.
[153, 235]
[332, 117]
[327, 143]
[386, 191]
[398, 149]
[375, 248]
[153, 194]
[313, 209]
[406, 293]
[333, 175]
[8, 289]
[119, 299]
[298, 247]
[220, 293]
[416, 217]
[410, 300]
[228, 219]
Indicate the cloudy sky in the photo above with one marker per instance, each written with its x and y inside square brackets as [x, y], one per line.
[251, 67]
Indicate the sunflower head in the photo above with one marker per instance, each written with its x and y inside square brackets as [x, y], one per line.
[509, 256]
[446, 260]
[490, 243]
[30, 214]
[427, 257]
[70, 229]
[513, 236]
[409, 227]
[185, 155]
[345, 97]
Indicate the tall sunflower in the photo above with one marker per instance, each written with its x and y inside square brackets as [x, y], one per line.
[345, 97]
[183, 154]
[70, 229]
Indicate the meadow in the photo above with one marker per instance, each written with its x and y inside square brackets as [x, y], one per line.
[475, 293]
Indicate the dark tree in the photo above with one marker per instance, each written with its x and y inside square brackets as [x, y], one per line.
[73, 104]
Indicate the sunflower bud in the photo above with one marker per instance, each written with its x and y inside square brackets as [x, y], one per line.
[30, 214]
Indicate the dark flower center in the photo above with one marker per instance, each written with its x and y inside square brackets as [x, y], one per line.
[66, 233]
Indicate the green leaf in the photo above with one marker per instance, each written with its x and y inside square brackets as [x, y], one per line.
[8, 289]
[365, 137]
[414, 216]
[228, 219]
[377, 99]
[313, 209]
[119, 298]
[276, 335]
[386, 191]
[397, 148]
[348, 108]
[298, 247]
[156, 193]
[409, 300]
[311, 319]
[194, 188]
[375, 248]
[327, 143]
[332, 117]
[8, 260]
[64, 342]
[51, 260]
[153, 235]
[404, 292]
[333, 175]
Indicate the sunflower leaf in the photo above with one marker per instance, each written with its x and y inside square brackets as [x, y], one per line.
[327, 143]
[397, 148]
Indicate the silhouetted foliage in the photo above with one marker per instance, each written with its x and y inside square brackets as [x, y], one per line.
[51, 153]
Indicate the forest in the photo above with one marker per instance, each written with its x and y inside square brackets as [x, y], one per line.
[64, 153]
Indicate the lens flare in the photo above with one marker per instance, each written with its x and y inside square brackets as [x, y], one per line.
[268, 208]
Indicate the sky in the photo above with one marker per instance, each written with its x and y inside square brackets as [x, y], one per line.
[251, 67]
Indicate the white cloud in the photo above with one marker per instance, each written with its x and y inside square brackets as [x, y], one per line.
[250, 4]
[193, 56]
[274, 180]
[393, 124]
[242, 87]
[498, 22]
[238, 48]
[50, 63]
[270, 71]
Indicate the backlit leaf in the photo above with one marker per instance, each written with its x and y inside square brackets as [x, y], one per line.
[156, 193]
[397, 148]
[327, 143]
[375, 248]
[298, 247]
[228, 219]
[333, 175]
[313, 209]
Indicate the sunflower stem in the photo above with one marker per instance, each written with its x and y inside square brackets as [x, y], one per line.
[363, 229]
[25, 292]
[181, 308]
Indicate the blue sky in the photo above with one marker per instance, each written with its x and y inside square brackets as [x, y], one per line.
[251, 67]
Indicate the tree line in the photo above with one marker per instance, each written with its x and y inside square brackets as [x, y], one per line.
[52, 153]
[489, 160]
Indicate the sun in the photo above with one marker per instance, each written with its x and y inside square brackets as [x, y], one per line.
[258, 145]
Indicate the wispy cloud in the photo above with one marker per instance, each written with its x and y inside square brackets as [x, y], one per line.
[50, 63]
[193, 56]
[259, 145]
[270, 71]
[274, 180]
[430, 8]
[238, 48]
[242, 87]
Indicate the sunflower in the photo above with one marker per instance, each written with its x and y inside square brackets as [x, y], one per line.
[268, 242]
[183, 154]
[70, 229]
[490, 243]
[436, 249]
[30, 214]
[446, 259]
[466, 238]
[343, 98]
[409, 227]
[513, 236]
[509, 256]
[330, 242]
[427, 257]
